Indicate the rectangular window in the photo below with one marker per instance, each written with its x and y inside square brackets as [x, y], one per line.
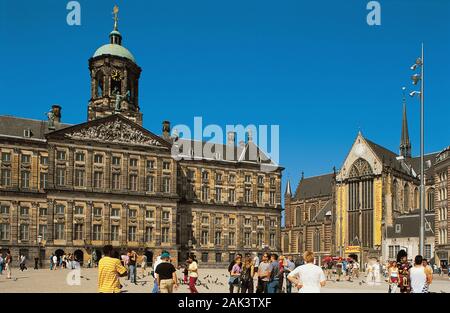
[44, 160]
[204, 257]
[132, 213]
[114, 232]
[247, 195]
[272, 197]
[97, 211]
[150, 164]
[61, 155]
[231, 221]
[218, 194]
[25, 158]
[5, 177]
[218, 221]
[59, 209]
[60, 176]
[218, 238]
[98, 159]
[232, 179]
[116, 161]
[427, 253]
[133, 182]
[247, 221]
[166, 184]
[97, 232]
[165, 215]
[23, 232]
[6, 157]
[42, 231]
[218, 257]
[166, 165]
[42, 211]
[98, 179]
[24, 210]
[132, 233]
[150, 182]
[25, 179]
[43, 180]
[205, 175]
[148, 234]
[260, 180]
[248, 178]
[4, 209]
[78, 232]
[165, 235]
[204, 237]
[272, 181]
[115, 212]
[133, 162]
[218, 177]
[259, 239]
[79, 156]
[78, 210]
[4, 231]
[273, 223]
[116, 181]
[205, 193]
[231, 239]
[272, 240]
[59, 232]
[247, 241]
[149, 214]
[205, 219]
[260, 222]
[260, 196]
[79, 178]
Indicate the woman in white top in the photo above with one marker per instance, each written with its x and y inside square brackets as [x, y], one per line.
[308, 278]
[418, 276]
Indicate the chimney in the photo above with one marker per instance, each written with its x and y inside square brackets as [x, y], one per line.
[249, 136]
[231, 138]
[56, 109]
[166, 130]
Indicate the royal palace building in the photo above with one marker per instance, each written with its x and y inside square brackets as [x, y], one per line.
[362, 208]
[74, 188]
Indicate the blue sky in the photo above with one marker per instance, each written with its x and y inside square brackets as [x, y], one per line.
[313, 67]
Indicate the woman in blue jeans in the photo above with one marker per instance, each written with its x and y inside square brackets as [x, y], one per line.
[274, 282]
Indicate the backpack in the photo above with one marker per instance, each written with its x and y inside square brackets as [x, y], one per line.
[275, 273]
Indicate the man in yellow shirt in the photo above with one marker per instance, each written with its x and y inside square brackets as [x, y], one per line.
[109, 271]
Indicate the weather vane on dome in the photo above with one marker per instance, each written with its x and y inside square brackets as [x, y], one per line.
[116, 16]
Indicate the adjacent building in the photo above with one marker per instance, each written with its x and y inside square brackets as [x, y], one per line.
[442, 201]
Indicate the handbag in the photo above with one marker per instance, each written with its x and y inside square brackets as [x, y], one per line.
[233, 280]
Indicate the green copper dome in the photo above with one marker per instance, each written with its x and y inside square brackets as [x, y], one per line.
[114, 49]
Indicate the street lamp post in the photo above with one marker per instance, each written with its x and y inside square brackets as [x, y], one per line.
[39, 240]
[415, 79]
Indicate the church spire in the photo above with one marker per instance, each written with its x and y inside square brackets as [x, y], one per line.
[115, 36]
[405, 144]
[288, 192]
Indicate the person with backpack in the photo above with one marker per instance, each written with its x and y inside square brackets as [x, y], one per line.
[274, 280]
[235, 275]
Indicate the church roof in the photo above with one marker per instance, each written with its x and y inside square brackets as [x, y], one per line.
[317, 186]
[11, 126]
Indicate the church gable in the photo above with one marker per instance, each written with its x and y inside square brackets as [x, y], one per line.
[113, 129]
[361, 160]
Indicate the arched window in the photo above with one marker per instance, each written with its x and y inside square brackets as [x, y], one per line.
[416, 198]
[395, 196]
[298, 216]
[406, 198]
[286, 243]
[312, 213]
[316, 240]
[100, 78]
[299, 242]
[306, 215]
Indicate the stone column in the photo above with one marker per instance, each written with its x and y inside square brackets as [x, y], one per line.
[14, 222]
[124, 225]
[107, 173]
[51, 166]
[71, 170]
[107, 223]
[158, 225]
[89, 165]
[69, 222]
[141, 225]
[34, 222]
[50, 220]
[89, 208]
